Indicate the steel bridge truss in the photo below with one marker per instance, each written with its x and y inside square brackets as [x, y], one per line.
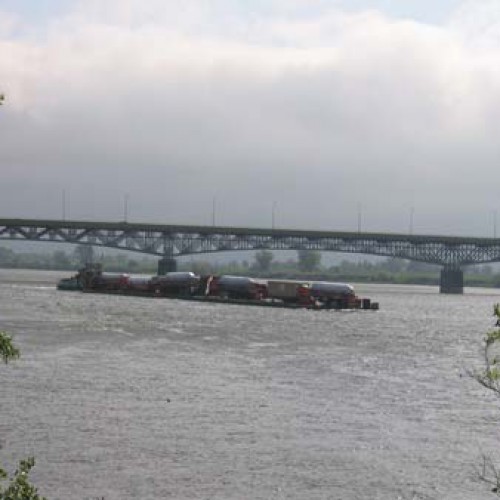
[175, 240]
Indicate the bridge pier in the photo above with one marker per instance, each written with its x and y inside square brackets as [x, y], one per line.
[166, 265]
[452, 280]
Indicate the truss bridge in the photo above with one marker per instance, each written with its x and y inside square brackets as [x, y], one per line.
[170, 241]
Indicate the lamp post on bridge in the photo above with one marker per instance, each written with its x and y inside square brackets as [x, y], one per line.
[63, 202]
[125, 207]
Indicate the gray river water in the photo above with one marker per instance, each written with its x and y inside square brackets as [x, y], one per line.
[122, 397]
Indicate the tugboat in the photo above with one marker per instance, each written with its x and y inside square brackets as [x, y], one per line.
[71, 284]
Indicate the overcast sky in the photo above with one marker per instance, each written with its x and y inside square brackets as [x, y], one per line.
[324, 110]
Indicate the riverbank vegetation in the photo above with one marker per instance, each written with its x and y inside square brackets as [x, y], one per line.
[18, 486]
[263, 263]
[489, 377]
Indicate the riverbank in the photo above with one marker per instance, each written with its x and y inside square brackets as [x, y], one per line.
[51, 276]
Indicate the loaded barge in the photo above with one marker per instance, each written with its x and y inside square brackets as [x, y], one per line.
[226, 289]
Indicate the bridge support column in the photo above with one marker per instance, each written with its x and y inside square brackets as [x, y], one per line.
[452, 280]
[166, 265]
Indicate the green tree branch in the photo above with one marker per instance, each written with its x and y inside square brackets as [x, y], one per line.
[489, 377]
[18, 487]
[8, 351]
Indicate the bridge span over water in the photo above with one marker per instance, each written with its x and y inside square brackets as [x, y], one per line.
[169, 241]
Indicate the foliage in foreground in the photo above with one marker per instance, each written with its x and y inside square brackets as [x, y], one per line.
[18, 486]
[8, 351]
[490, 378]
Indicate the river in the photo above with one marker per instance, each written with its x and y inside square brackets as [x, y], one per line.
[136, 398]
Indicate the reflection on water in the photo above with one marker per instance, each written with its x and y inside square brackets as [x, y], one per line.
[126, 397]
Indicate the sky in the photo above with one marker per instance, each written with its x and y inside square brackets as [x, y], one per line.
[313, 114]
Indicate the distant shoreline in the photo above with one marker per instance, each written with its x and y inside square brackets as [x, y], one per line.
[52, 276]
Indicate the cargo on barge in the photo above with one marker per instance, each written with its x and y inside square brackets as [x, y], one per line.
[226, 289]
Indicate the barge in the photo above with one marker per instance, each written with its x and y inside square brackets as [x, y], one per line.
[225, 289]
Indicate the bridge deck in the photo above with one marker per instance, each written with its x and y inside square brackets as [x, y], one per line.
[169, 240]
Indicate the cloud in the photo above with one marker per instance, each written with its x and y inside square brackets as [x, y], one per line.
[318, 110]
[477, 25]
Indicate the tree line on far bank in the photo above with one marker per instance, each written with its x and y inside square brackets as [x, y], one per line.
[265, 263]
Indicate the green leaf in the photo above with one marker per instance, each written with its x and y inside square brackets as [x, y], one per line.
[8, 351]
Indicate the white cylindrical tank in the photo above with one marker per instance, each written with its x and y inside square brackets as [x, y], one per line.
[177, 278]
[327, 288]
[235, 282]
[139, 283]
